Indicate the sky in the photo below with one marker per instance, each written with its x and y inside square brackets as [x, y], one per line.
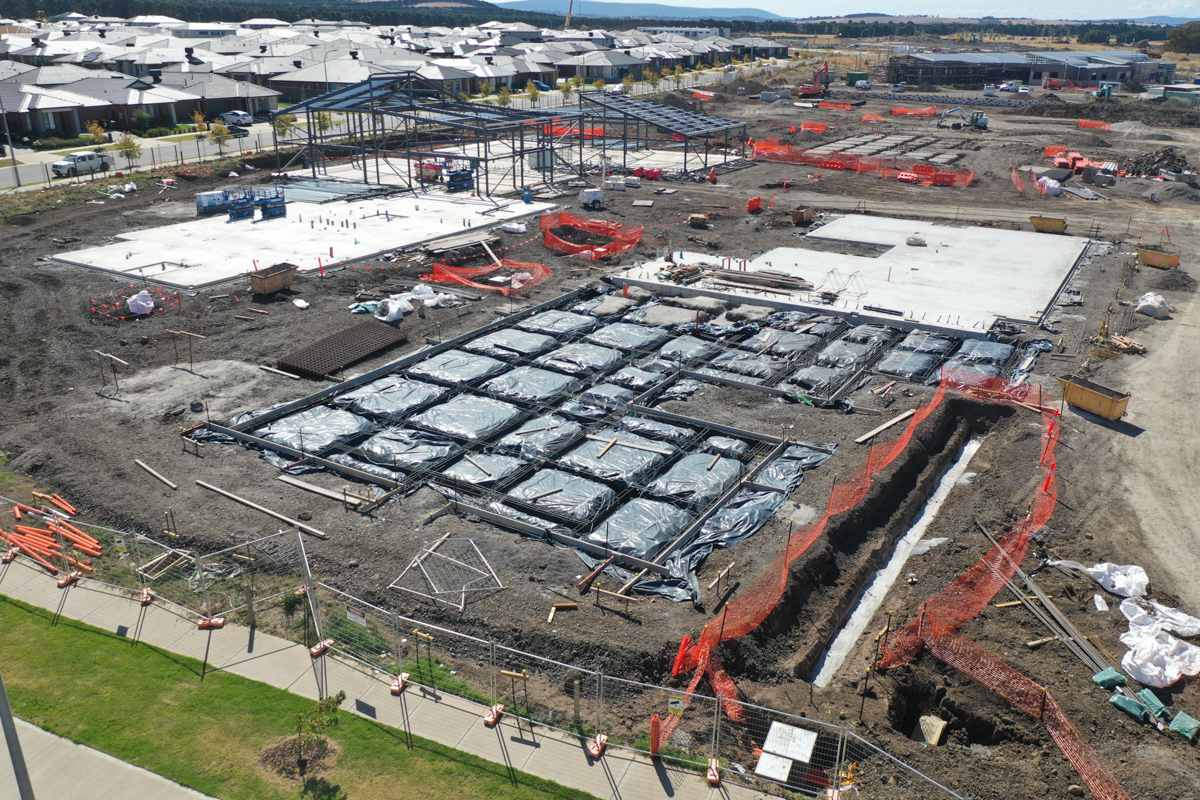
[1056, 9]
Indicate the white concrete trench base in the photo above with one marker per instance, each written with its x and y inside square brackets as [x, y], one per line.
[962, 280]
[212, 250]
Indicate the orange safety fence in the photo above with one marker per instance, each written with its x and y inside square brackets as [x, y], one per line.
[623, 237]
[573, 130]
[834, 106]
[1100, 126]
[699, 95]
[915, 112]
[1054, 150]
[1017, 182]
[868, 117]
[444, 273]
[814, 127]
[774, 150]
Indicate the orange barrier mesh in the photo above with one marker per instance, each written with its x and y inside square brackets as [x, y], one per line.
[443, 273]
[915, 112]
[573, 131]
[1017, 182]
[774, 150]
[834, 106]
[871, 118]
[623, 237]
[1055, 150]
[814, 127]
[1100, 126]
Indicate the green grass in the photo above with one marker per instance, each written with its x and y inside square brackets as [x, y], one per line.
[159, 710]
[183, 137]
[88, 149]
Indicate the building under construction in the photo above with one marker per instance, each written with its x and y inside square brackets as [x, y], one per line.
[399, 130]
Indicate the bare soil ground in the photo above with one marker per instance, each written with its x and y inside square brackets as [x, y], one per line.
[1126, 493]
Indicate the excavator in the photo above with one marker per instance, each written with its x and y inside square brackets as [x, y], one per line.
[819, 85]
[975, 120]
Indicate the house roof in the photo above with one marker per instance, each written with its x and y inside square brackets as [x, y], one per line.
[51, 76]
[128, 92]
[214, 87]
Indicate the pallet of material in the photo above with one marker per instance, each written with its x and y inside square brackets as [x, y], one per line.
[327, 356]
[766, 279]
[460, 241]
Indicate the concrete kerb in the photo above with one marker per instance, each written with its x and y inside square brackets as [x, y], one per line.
[445, 718]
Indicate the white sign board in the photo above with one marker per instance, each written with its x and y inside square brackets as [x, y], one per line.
[790, 742]
[354, 615]
[776, 768]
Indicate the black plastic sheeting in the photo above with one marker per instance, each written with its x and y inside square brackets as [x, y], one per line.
[402, 448]
[662, 431]
[787, 319]
[315, 429]
[511, 344]
[468, 417]
[787, 471]
[844, 355]
[932, 343]
[726, 446]
[558, 323]
[740, 518]
[389, 398]
[758, 366]
[457, 368]
[905, 364]
[641, 528]
[620, 464]
[731, 376]
[637, 379]
[820, 380]
[697, 480]
[347, 460]
[969, 366]
[580, 359]
[661, 365]
[608, 393]
[540, 437]
[565, 494]
[980, 351]
[783, 344]
[825, 326]
[625, 336]
[716, 330]
[529, 385]
[874, 335]
[680, 390]
[484, 470]
[687, 348]
[1033, 349]
[586, 410]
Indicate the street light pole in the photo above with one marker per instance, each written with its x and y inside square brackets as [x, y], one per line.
[20, 772]
[11, 152]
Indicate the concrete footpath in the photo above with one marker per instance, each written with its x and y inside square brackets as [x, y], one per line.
[60, 768]
[618, 775]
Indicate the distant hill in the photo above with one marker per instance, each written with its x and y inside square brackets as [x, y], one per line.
[1164, 20]
[637, 10]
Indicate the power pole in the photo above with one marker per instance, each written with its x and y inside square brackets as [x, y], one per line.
[24, 788]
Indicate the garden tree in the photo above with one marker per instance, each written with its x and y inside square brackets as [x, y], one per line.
[284, 123]
[1185, 38]
[577, 82]
[219, 133]
[324, 121]
[504, 96]
[627, 82]
[141, 120]
[485, 89]
[128, 147]
[532, 90]
[678, 75]
[653, 78]
[598, 84]
[201, 125]
[566, 90]
[311, 725]
[95, 132]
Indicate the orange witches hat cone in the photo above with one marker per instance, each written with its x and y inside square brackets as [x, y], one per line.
[712, 176]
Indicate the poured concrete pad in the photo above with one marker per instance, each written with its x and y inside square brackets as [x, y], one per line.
[212, 250]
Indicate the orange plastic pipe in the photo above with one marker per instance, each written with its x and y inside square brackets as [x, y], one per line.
[79, 564]
[53, 569]
[42, 546]
[17, 512]
[63, 504]
[78, 541]
[68, 526]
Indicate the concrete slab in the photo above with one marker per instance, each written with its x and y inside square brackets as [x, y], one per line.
[506, 743]
[14, 575]
[213, 250]
[574, 769]
[652, 779]
[962, 281]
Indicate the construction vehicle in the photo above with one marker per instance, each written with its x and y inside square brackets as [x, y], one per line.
[819, 85]
[974, 120]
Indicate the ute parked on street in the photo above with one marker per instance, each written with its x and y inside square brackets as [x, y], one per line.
[79, 164]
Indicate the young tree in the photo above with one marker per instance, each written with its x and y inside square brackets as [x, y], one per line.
[485, 89]
[219, 133]
[627, 83]
[95, 132]
[598, 84]
[653, 78]
[311, 726]
[532, 90]
[284, 123]
[503, 97]
[141, 120]
[577, 82]
[128, 147]
[324, 121]
[678, 75]
[566, 91]
[201, 125]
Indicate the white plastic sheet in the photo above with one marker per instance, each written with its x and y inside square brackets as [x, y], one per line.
[1050, 187]
[513, 227]
[1154, 305]
[1128, 581]
[141, 303]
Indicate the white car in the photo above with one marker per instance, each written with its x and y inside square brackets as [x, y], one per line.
[1025, 90]
[236, 118]
[79, 164]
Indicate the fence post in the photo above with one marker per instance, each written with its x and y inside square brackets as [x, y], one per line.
[599, 702]
[716, 734]
[837, 763]
[492, 685]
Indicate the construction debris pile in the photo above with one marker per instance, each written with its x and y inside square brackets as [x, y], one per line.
[1168, 158]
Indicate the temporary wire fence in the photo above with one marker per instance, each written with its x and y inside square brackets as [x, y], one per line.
[773, 150]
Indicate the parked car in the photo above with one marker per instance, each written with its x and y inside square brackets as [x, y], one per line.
[238, 132]
[862, 84]
[236, 118]
[1008, 86]
[541, 86]
[1025, 90]
[80, 163]
[899, 87]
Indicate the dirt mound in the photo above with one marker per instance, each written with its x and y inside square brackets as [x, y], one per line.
[282, 757]
[678, 101]
[1175, 194]
[1167, 158]
[1152, 112]
[751, 87]
[1141, 130]
[1176, 280]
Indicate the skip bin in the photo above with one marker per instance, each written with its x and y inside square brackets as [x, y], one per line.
[272, 279]
[803, 215]
[1048, 224]
[1160, 257]
[1091, 396]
